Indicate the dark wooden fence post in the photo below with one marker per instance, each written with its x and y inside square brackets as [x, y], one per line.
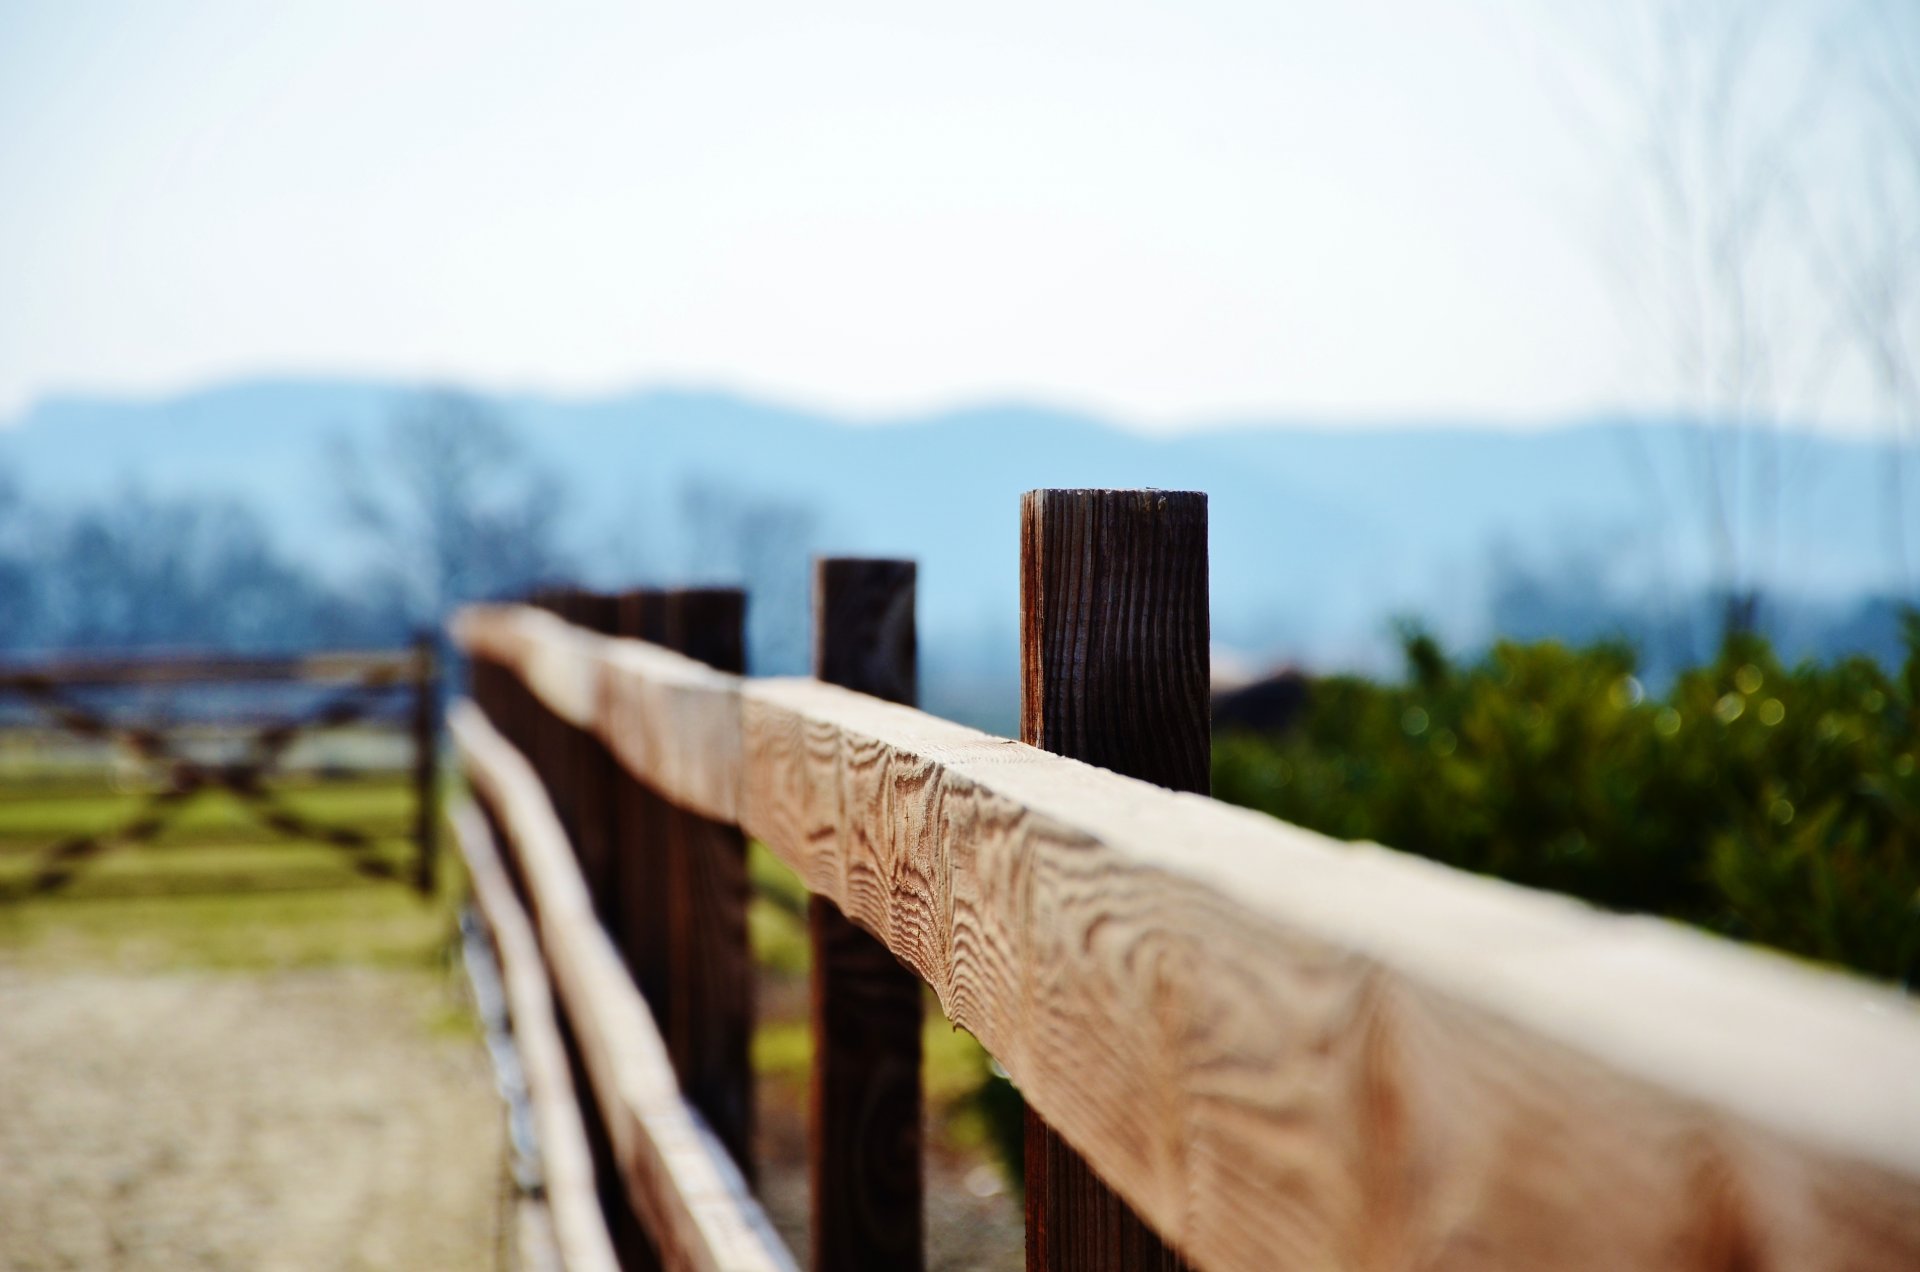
[864, 1129]
[1113, 671]
[710, 1028]
[637, 917]
[579, 774]
[551, 749]
[681, 916]
[426, 762]
[591, 784]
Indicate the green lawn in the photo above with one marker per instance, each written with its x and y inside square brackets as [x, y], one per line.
[217, 890]
[30, 817]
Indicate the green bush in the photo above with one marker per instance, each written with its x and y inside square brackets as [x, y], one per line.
[1773, 804]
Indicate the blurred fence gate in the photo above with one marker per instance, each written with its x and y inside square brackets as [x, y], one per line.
[1242, 1045]
[169, 728]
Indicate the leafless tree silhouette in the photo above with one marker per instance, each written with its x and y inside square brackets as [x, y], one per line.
[455, 507]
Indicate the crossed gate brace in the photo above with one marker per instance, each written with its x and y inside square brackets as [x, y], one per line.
[187, 777]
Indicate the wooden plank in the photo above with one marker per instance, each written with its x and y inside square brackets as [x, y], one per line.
[670, 720]
[686, 871]
[864, 1127]
[1114, 671]
[680, 1177]
[579, 1228]
[1287, 1050]
[512, 711]
[1290, 1052]
[559, 663]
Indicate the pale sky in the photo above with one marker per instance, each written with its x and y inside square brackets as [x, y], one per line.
[1174, 213]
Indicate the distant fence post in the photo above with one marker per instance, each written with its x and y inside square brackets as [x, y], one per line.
[579, 775]
[426, 761]
[864, 1116]
[591, 783]
[1113, 671]
[637, 912]
[682, 909]
[552, 750]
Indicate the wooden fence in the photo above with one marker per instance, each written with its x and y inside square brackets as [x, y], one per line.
[333, 690]
[1260, 1047]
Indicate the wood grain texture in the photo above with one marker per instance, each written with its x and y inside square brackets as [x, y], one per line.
[1114, 631]
[1287, 1051]
[571, 1189]
[864, 636]
[1074, 1219]
[864, 1127]
[679, 1176]
[1114, 671]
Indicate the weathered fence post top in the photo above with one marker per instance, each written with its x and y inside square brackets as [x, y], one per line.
[1114, 631]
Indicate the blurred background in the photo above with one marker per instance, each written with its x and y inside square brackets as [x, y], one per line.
[1553, 371]
[1518, 318]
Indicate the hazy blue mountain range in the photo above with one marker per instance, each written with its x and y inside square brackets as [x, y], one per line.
[1319, 534]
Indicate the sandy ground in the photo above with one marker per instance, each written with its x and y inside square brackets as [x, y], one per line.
[304, 1120]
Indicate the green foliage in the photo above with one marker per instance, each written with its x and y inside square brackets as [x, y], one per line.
[1773, 804]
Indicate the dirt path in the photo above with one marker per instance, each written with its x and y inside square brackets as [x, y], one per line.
[300, 1120]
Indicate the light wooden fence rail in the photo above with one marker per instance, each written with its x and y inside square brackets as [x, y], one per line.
[1282, 1051]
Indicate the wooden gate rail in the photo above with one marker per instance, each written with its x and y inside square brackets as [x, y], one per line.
[1282, 1050]
[678, 1175]
[356, 680]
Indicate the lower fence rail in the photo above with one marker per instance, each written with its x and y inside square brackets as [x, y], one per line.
[579, 1228]
[679, 1178]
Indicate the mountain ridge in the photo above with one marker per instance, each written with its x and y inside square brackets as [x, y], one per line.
[1320, 534]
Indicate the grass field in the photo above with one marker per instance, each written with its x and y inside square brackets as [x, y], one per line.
[218, 890]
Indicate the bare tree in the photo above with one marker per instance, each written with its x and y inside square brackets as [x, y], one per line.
[452, 503]
[139, 571]
[764, 543]
[19, 590]
[1714, 117]
[1868, 244]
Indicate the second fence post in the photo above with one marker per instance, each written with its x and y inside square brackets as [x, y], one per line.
[1113, 671]
[864, 1117]
[709, 1018]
